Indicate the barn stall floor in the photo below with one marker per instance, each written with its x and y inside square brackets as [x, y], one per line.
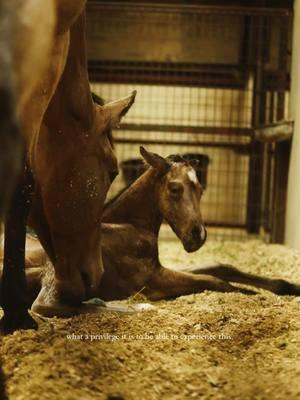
[244, 347]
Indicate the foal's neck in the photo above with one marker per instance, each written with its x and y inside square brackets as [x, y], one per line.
[138, 204]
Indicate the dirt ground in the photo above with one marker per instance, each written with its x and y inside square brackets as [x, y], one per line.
[202, 346]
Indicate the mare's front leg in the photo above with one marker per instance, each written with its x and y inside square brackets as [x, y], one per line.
[14, 288]
[166, 283]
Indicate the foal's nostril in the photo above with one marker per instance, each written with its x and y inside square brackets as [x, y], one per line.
[203, 234]
[196, 233]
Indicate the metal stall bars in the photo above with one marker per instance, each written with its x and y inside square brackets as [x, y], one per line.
[206, 76]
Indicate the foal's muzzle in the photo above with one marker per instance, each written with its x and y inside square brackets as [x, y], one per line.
[195, 239]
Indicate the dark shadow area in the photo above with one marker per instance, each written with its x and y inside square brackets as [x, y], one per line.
[3, 394]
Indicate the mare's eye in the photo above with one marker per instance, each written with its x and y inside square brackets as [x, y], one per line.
[175, 188]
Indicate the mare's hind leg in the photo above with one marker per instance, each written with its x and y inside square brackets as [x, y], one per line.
[232, 274]
[14, 289]
[166, 283]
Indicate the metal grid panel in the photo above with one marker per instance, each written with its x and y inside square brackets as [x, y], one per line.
[205, 77]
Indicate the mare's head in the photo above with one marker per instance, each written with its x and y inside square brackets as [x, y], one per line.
[179, 193]
[76, 167]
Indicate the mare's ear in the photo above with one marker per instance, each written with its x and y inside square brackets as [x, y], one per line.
[155, 160]
[115, 110]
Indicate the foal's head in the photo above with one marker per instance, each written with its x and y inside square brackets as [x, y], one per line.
[179, 194]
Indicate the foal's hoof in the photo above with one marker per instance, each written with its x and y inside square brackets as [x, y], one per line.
[119, 308]
[284, 288]
[247, 291]
[13, 322]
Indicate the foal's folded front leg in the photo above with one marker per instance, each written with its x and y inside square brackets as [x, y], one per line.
[49, 304]
[46, 306]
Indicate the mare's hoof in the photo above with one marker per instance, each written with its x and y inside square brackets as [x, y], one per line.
[119, 308]
[142, 307]
[13, 322]
[96, 302]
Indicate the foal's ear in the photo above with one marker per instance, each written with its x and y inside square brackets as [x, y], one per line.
[194, 164]
[155, 160]
[117, 109]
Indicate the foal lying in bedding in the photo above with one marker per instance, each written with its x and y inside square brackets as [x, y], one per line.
[168, 190]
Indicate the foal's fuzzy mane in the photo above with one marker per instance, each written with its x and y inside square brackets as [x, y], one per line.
[115, 198]
[176, 158]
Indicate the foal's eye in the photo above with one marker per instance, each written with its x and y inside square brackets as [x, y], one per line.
[175, 188]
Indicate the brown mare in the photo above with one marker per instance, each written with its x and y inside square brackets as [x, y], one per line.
[73, 162]
[168, 190]
[26, 34]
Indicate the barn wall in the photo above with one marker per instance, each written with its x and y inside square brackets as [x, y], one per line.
[221, 71]
[292, 233]
[226, 194]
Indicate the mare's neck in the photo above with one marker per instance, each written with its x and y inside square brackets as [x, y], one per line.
[138, 205]
[73, 98]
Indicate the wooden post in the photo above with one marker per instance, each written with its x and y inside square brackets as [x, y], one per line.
[256, 150]
[282, 149]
